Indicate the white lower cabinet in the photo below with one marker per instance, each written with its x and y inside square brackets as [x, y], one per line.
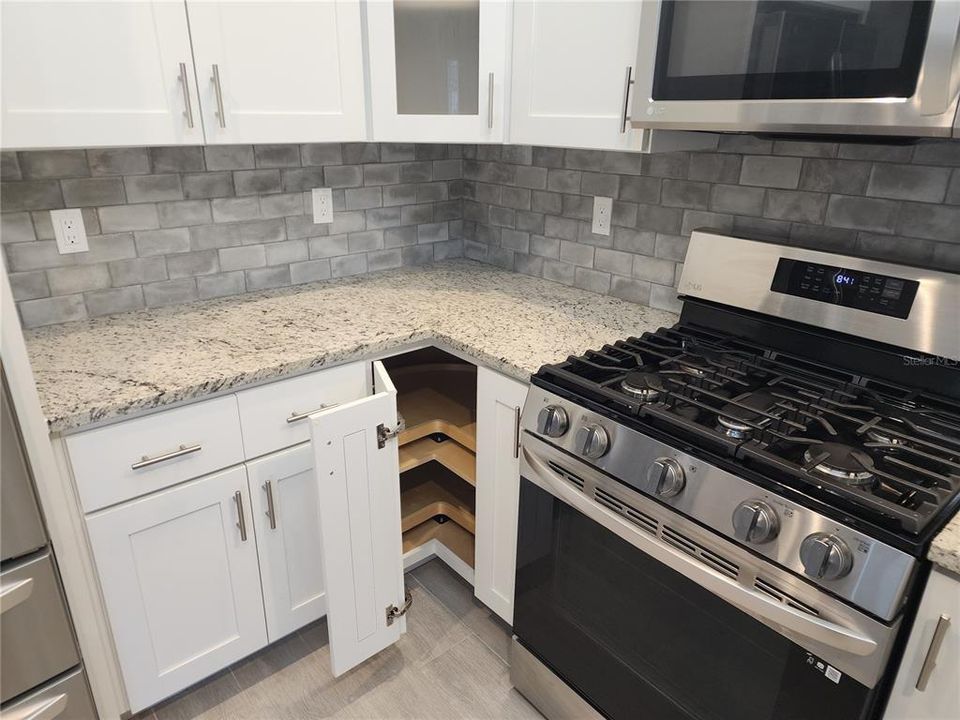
[499, 401]
[181, 583]
[927, 685]
[284, 506]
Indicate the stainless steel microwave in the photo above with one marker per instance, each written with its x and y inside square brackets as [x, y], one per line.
[865, 67]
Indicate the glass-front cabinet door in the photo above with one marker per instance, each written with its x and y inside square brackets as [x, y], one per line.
[438, 69]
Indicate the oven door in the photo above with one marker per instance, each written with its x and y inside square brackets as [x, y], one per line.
[647, 615]
[873, 67]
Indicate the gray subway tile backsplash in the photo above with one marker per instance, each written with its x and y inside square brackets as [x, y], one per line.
[171, 225]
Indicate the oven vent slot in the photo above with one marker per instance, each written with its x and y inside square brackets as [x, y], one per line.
[786, 598]
[638, 518]
[566, 474]
[704, 555]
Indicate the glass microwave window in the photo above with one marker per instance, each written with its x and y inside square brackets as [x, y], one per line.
[437, 45]
[789, 49]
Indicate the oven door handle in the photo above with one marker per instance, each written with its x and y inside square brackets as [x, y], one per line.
[798, 623]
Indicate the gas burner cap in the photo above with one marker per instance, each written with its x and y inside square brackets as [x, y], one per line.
[885, 435]
[644, 386]
[842, 462]
[739, 422]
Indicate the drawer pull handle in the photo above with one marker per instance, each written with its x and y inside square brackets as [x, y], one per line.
[42, 710]
[15, 593]
[516, 432]
[490, 101]
[271, 508]
[221, 117]
[241, 518]
[146, 461]
[625, 115]
[185, 83]
[930, 661]
[298, 416]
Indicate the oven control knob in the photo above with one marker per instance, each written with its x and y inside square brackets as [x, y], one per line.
[665, 478]
[552, 421]
[592, 441]
[825, 556]
[755, 522]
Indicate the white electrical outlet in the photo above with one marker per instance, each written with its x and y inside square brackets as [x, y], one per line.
[69, 231]
[602, 208]
[322, 205]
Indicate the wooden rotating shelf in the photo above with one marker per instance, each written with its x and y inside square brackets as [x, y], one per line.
[437, 398]
[430, 491]
[458, 540]
[448, 453]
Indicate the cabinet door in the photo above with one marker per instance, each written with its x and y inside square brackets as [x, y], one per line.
[283, 495]
[358, 477]
[181, 584]
[926, 687]
[97, 73]
[499, 401]
[279, 71]
[569, 75]
[437, 69]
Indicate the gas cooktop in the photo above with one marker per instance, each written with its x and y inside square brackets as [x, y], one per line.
[880, 452]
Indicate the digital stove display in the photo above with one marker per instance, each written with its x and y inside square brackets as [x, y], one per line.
[881, 294]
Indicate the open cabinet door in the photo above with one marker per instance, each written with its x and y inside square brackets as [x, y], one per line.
[358, 476]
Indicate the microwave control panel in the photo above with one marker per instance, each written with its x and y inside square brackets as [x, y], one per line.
[881, 294]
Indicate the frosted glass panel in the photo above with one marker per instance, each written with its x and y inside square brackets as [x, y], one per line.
[438, 56]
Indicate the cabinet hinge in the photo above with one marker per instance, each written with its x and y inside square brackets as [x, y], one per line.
[384, 433]
[393, 612]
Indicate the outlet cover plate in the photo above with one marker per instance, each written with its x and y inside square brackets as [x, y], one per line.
[602, 209]
[69, 230]
[322, 205]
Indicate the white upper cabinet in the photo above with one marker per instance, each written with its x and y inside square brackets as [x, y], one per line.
[279, 71]
[358, 477]
[438, 69]
[570, 65]
[86, 74]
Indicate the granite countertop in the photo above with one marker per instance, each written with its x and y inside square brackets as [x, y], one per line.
[122, 365]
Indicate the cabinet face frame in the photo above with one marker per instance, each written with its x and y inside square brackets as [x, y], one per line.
[222, 32]
[149, 107]
[487, 126]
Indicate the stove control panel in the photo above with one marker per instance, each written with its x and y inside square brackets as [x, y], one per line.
[872, 292]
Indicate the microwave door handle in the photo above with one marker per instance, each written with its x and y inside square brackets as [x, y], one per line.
[752, 602]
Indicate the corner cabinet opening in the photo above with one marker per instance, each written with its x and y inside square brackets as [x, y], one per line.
[437, 401]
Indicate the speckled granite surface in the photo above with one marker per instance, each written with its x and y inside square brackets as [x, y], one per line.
[110, 367]
[945, 548]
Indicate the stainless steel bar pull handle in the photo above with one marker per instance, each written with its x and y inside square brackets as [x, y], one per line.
[218, 88]
[15, 593]
[624, 116]
[146, 461]
[298, 416]
[490, 100]
[271, 508]
[930, 661]
[241, 519]
[516, 432]
[185, 84]
[45, 709]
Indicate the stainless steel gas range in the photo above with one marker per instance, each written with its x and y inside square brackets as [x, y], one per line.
[728, 518]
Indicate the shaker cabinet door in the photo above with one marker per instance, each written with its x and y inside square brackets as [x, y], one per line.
[284, 505]
[438, 70]
[499, 401]
[358, 478]
[87, 74]
[570, 65]
[181, 584]
[278, 72]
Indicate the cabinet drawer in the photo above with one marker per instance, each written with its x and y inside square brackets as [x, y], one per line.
[67, 698]
[136, 457]
[274, 416]
[37, 639]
